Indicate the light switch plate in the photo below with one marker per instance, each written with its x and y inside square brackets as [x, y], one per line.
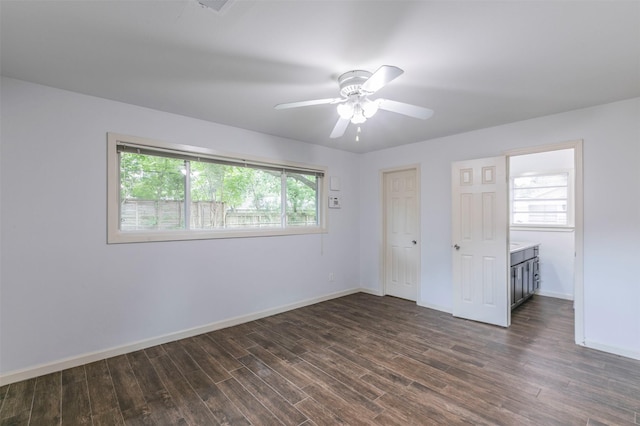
[334, 183]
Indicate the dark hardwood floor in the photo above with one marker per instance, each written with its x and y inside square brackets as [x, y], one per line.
[356, 360]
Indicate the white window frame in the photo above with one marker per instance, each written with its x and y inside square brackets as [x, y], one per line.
[115, 235]
[570, 202]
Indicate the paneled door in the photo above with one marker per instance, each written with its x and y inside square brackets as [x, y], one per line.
[479, 245]
[401, 248]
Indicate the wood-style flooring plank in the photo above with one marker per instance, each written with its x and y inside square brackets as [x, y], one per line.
[206, 361]
[338, 407]
[17, 402]
[234, 339]
[341, 389]
[348, 373]
[188, 402]
[46, 400]
[272, 346]
[162, 408]
[372, 365]
[76, 408]
[319, 414]
[3, 394]
[284, 368]
[211, 345]
[180, 357]
[252, 409]
[281, 385]
[224, 411]
[131, 401]
[101, 391]
[272, 400]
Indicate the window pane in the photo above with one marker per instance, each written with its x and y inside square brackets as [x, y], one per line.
[208, 208]
[540, 200]
[224, 196]
[253, 197]
[545, 193]
[151, 192]
[302, 200]
[540, 218]
[560, 179]
[540, 206]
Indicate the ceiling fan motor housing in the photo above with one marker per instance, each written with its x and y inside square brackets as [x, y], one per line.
[351, 82]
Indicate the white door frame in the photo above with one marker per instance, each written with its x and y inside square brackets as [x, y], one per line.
[578, 273]
[383, 224]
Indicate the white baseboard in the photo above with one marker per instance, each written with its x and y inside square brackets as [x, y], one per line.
[554, 294]
[435, 307]
[627, 353]
[375, 292]
[75, 361]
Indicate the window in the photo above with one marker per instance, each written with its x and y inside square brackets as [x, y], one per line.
[542, 200]
[160, 192]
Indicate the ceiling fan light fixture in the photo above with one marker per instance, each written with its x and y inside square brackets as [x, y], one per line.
[358, 115]
[369, 108]
[345, 110]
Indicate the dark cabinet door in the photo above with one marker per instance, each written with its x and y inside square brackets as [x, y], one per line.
[530, 277]
[518, 293]
[525, 275]
[512, 287]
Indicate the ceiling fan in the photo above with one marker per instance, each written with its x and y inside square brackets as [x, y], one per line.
[355, 106]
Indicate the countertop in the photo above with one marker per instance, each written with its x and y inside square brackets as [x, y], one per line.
[515, 246]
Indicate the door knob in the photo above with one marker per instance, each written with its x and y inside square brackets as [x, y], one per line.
[457, 247]
[414, 242]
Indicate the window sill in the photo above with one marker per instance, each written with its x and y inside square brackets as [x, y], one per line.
[532, 228]
[154, 236]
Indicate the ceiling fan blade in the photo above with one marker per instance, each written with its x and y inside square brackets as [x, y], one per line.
[405, 109]
[340, 128]
[308, 103]
[380, 78]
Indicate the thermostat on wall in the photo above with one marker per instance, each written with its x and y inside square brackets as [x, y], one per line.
[334, 202]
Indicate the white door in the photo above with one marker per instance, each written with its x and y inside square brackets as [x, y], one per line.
[479, 245]
[401, 249]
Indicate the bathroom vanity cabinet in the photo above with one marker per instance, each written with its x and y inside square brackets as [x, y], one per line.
[525, 271]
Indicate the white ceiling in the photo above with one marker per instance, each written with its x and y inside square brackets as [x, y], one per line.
[476, 63]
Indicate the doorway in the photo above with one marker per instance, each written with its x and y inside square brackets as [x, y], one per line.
[477, 283]
[561, 240]
[401, 246]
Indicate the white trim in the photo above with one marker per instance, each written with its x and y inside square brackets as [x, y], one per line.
[578, 272]
[612, 349]
[440, 308]
[544, 148]
[372, 291]
[555, 295]
[75, 361]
